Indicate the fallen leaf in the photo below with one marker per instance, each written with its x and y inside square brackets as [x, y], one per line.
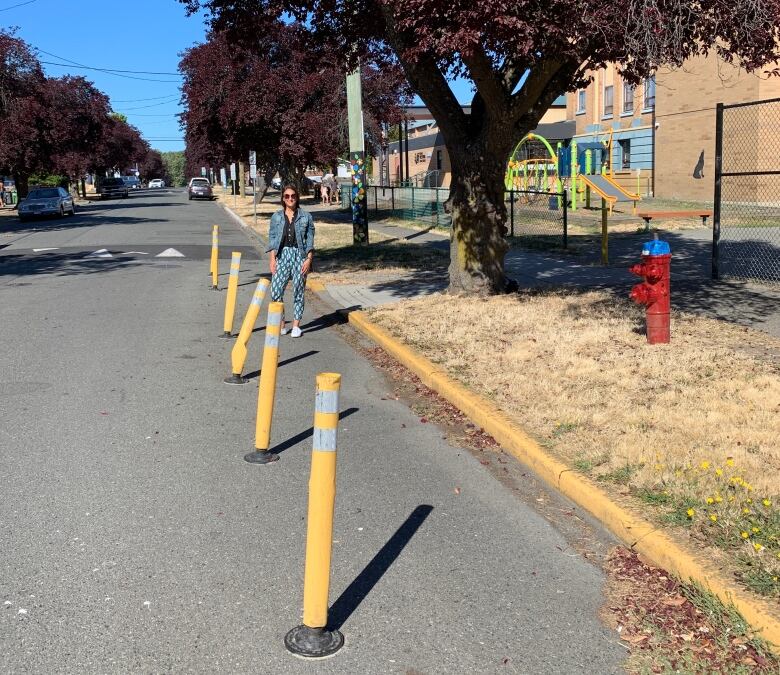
[674, 602]
[457, 490]
[635, 639]
[103, 412]
[423, 420]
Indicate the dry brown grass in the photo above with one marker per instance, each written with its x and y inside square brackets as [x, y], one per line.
[578, 374]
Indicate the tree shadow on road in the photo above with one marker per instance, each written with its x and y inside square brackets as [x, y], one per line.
[65, 264]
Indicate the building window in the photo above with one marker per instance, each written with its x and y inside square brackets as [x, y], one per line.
[581, 101]
[650, 93]
[625, 153]
[628, 97]
[608, 100]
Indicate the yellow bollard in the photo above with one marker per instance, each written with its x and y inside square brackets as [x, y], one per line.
[214, 256]
[312, 638]
[238, 355]
[267, 389]
[230, 299]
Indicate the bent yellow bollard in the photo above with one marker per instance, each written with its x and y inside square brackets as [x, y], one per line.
[214, 256]
[238, 355]
[230, 299]
[267, 389]
[312, 638]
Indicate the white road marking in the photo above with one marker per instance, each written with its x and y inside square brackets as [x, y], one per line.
[37, 250]
[102, 253]
[136, 252]
[170, 253]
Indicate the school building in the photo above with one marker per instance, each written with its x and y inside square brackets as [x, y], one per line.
[659, 134]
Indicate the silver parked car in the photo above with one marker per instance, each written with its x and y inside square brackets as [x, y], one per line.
[46, 201]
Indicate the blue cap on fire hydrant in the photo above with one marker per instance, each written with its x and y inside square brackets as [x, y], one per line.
[656, 247]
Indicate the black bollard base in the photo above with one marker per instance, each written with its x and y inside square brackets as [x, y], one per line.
[235, 379]
[313, 642]
[261, 457]
[226, 336]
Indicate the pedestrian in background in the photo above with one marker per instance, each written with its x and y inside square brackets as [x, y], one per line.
[291, 246]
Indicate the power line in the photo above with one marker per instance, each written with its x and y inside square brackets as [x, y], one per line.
[153, 105]
[150, 115]
[108, 72]
[21, 4]
[135, 100]
[113, 70]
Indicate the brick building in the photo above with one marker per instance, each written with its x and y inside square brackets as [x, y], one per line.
[663, 131]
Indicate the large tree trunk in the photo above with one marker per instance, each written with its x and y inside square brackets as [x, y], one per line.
[478, 238]
[22, 182]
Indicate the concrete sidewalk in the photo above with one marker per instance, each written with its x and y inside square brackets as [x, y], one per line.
[744, 303]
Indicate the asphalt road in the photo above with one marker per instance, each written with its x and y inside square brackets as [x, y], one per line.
[134, 538]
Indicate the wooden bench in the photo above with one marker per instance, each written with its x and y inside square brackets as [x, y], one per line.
[647, 216]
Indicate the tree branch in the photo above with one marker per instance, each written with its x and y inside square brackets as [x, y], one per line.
[425, 77]
[490, 87]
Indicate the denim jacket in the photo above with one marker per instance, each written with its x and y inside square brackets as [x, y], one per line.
[304, 231]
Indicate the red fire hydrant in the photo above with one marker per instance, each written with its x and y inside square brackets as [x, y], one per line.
[654, 291]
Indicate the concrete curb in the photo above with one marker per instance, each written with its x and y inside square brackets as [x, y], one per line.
[637, 533]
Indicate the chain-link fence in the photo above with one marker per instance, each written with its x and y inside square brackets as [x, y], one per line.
[746, 236]
[534, 218]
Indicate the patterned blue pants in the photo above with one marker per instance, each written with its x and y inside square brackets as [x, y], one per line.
[288, 264]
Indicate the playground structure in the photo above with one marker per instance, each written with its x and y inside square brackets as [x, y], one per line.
[581, 169]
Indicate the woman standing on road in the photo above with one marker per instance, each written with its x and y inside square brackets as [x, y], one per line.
[291, 245]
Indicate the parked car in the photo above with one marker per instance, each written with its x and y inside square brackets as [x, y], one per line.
[276, 183]
[199, 188]
[157, 183]
[112, 187]
[132, 182]
[46, 201]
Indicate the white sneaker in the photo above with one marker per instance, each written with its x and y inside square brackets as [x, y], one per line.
[295, 332]
[284, 330]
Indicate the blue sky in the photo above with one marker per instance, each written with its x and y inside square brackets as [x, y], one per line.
[140, 35]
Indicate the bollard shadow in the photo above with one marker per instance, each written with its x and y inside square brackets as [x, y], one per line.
[286, 362]
[299, 438]
[326, 321]
[357, 591]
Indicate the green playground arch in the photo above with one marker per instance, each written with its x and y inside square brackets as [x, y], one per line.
[517, 170]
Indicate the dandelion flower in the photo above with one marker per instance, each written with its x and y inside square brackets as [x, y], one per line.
[729, 462]
[748, 487]
[710, 500]
[718, 472]
[691, 513]
[705, 465]
[732, 498]
[758, 547]
[749, 500]
[713, 518]
[745, 535]
[756, 530]
[718, 499]
[746, 511]
[766, 502]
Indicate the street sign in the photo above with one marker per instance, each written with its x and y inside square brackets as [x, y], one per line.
[252, 164]
[233, 171]
[223, 175]
[203, 171]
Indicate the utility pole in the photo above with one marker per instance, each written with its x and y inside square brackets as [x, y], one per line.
[357, 159]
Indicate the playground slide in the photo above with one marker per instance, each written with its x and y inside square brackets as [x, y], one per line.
[607, 189]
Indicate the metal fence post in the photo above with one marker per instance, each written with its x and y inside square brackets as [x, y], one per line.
[376, 200]
[565, 219]
[392, 200]
[718, 193]
[512, 213]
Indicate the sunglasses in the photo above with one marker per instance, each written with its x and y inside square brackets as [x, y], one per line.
[290, 196]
